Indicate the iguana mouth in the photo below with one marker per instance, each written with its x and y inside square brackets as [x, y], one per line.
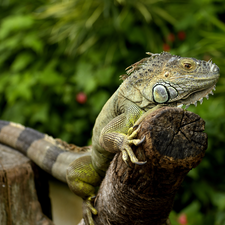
[193, 98]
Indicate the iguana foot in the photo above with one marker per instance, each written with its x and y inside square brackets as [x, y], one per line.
[127, 150]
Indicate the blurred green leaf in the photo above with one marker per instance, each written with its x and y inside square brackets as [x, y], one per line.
[40, 114]
[218, 200]
[220, 218]
[98, 100]
[84, 77]
[21, 61]
[193, 174]
[15, 23]
[33, 41]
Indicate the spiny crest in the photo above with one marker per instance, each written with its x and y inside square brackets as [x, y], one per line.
[145, 61]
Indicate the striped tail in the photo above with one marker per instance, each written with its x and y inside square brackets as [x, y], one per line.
[39, 147]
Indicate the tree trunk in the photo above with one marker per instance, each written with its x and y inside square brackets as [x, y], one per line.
[23, 190]
[144, 194]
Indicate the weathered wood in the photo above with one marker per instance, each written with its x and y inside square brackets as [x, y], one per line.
[144, 194]
[23, 189]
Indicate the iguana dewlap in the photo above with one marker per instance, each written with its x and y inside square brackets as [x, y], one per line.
[160, 80]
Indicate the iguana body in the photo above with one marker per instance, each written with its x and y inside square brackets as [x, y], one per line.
[162, 79]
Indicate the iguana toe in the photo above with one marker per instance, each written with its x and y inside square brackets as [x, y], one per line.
[90, 206]
[133, 131]
[124, 156]
[132, 156]
[88, 211]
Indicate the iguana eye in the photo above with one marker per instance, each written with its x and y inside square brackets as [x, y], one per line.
[187, 65]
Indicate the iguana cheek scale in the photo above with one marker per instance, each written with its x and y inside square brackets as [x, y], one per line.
[159, 80]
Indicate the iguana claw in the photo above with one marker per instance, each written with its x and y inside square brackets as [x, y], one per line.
[140, 163]
[135, 126]
[141, 141]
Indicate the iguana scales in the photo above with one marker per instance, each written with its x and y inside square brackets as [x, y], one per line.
[155, 81]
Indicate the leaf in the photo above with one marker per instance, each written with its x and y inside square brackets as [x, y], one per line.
[14, 23]
[165, 15]
[95, 15]
[32, 41]
[194, 174]
[104, 75]
[21, 61]
[144, 11]
[40, 114]
[14, 91]
[98, 100]
[84, 77]
[218, 199]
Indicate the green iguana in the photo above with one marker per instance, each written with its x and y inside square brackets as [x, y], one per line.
[159, 80]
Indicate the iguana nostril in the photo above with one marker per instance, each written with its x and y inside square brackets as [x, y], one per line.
[215, 68]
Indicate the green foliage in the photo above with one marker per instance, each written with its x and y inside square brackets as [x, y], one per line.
[110, 25]
[52, 51]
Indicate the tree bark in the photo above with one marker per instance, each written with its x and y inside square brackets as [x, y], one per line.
[23, 190]
[144, 194]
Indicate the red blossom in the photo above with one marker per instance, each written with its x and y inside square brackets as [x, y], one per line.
[81, 97]
[182, 219]
[181, 35]
[171, 37]
[166, 47]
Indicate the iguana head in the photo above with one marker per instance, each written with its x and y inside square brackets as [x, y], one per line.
[171, 80]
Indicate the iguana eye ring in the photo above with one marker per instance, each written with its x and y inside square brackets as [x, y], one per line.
[188, 64]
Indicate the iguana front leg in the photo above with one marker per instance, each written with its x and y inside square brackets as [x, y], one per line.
[116, 135]
[141, 118]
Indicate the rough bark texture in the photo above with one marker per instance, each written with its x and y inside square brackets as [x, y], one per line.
[144, 194]
[22, 192]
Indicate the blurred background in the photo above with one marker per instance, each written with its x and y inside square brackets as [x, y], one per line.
[61, 60]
